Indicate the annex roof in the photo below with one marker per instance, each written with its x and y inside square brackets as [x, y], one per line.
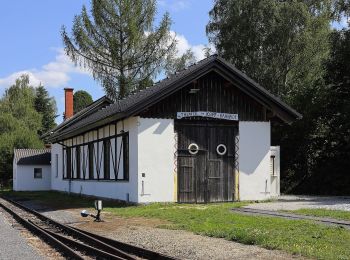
[93, 107]
[143, 99]
[32, 156]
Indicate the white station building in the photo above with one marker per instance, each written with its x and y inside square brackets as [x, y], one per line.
[199, 136]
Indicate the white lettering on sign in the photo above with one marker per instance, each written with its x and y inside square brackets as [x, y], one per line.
[225, 116]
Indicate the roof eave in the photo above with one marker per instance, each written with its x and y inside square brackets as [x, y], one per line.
[93, 106]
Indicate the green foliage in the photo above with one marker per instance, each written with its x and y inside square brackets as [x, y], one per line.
[19, 123]
[319, 164]
[341, 8]
[216, 220]
[81, 99]
[176, 64]
[280, 44]
[46, 106]
[18, 101]
[285, 46]
[120, 44]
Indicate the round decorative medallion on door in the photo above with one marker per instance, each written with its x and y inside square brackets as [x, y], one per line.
[221, 149]
[193, 148]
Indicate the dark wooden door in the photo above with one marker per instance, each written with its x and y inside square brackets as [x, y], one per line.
[204, 175]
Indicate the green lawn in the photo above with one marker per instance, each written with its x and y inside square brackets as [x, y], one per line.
[216, 220]
[324, 213]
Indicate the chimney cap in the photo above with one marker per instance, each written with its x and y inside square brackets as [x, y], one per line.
[68, 88]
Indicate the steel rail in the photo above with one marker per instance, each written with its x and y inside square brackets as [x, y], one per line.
[124, 250]
[141, 252]
[80, 246]
[74, 233]
[292, 216]
[67, 251]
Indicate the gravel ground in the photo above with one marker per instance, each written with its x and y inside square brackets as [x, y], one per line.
[12, 245]
[295, 202]
[177, 243]
[186, 245]
[62, 216]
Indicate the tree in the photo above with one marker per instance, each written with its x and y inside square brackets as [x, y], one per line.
[331, 139]
[18, 101]
[285, 46]
[46, 106]
[280, 44]
[81, 99]
[176, 64]
[120, 44]
[19, 123]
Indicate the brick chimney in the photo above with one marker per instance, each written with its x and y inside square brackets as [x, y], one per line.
[68, 103]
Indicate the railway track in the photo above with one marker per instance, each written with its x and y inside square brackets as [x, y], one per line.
[322, 220]
[71, 242]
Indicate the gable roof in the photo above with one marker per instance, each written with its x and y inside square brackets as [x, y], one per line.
[138, 101]
[93, 107]
[32, 156]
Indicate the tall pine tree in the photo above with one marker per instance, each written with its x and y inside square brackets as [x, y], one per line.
[46, 106]
[120, 44]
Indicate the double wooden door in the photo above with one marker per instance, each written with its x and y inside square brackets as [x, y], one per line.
[206, 159]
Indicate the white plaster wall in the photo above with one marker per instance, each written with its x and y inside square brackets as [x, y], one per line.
[109, 189]
[254, 160]
[275, 171]
[14, 175]
[24, 178]
[156, 160]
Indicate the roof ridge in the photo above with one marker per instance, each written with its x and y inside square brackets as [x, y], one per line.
[132, 104]
[172, 75]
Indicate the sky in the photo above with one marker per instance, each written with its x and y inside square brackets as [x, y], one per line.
[31, 43]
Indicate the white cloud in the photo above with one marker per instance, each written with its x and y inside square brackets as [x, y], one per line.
[174, 5]
[54, 74]
[183, 45]
[57, 73]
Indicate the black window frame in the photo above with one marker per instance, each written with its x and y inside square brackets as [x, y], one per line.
[91, 149]
[125, 140]
[107, 159]
[68, 162]
[35, 172]
[78, 161]
[122, 150]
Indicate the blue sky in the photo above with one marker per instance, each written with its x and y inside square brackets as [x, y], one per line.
[31, 42]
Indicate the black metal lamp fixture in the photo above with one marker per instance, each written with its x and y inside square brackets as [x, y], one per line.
[98, 206]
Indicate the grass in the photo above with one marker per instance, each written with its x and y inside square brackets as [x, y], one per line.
[324, 213]
[216, 220]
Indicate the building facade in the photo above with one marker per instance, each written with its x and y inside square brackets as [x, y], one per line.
[32, 169]
[201, 135]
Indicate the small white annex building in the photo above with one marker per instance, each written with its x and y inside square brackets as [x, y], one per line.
[32, 169]
[201, 135]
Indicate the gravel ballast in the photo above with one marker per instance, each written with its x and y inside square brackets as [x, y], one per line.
[186, 245]
[12, 245]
